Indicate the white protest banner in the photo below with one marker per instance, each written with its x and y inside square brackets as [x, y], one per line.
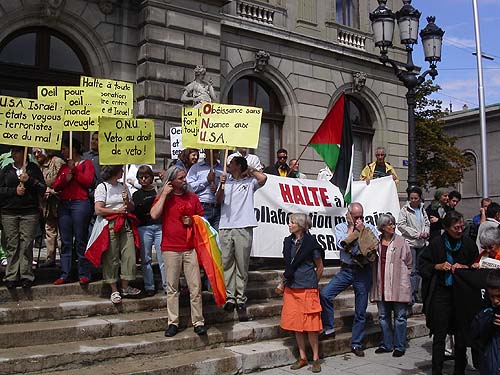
[282, 196]
[378, 197]
[175, 141]
[322, 201]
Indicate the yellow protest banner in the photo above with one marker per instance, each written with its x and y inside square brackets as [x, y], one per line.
[126, 141]
[82, 105]
[30, 122]
[191, 120]
[229, 126]
[117, 97]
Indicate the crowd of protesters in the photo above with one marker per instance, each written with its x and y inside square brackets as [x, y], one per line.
[92, 212]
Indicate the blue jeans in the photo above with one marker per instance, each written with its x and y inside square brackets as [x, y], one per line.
[73, 218]
[149, 235]
[211, 214]
[393, 339]
[361, 281]
[414, 277]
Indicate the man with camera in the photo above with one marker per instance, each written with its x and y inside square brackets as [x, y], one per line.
[356, 271]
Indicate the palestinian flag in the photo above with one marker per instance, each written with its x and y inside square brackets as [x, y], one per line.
[333, 142]
[206, 243]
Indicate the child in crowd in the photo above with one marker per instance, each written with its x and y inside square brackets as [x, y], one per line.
[149, 229]
[486, 327]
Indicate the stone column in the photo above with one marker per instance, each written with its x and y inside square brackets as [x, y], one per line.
[175, 37]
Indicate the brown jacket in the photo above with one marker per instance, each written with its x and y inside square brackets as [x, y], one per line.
[398, 265]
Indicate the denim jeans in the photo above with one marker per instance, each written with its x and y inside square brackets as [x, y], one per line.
[211, 214]
[361, 280]
[392, 338]
[73, 219]
[414, 277]
[149, 235]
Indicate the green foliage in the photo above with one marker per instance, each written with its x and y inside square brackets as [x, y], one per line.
[439, 162]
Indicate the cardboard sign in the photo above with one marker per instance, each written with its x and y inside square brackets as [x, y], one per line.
[30, 122]
[117, 97]
[126, 141]
[82, 105]
[228, 126]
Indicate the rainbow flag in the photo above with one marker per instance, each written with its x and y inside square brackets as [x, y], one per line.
[206, 243]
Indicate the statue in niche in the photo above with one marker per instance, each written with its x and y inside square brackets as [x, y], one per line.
[261, 60]
[198, 91]
[358, 81]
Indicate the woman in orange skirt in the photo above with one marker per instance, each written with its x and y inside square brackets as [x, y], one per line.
[301, 311]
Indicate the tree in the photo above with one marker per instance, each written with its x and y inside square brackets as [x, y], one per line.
[439, 162]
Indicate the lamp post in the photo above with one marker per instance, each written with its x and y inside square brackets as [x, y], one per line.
[383, 21]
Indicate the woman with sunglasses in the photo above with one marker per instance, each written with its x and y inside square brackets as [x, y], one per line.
[391, 287]
[439, 260]
[149, 229]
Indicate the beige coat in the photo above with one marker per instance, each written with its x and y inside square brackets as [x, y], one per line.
[398, 265]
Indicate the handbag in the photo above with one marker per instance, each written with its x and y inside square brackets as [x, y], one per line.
[280, 288]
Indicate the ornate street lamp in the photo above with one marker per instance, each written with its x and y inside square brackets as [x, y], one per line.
[383, 20]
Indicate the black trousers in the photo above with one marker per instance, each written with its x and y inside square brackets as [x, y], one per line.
[443, 322]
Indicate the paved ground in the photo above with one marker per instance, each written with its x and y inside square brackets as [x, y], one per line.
[417, 360]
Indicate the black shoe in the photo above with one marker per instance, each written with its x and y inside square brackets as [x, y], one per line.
[200, 330]
[358, 352]
[171, 331]
[26, 284]
[382, 350]
[398, 353]
[11, 285]
[48, 264]
[324, 336]
[242, 307]
[150, 293]
[229, 306]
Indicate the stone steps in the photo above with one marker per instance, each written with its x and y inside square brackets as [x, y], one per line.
[232, 359]
[68, 328]
[81, 350]
[61, 328]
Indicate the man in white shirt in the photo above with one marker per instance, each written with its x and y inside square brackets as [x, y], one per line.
[236, 196]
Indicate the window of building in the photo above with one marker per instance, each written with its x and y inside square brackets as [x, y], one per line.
[362, 134]
[344, 12]
[251, 91]
[40, 56]
[470, 183]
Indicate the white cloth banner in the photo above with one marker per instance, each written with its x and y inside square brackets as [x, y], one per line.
[322, 201]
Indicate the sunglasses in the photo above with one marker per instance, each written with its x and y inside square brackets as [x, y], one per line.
[143, 177]
[282, 157]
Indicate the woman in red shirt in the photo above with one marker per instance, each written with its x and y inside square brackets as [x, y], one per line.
[72, 182]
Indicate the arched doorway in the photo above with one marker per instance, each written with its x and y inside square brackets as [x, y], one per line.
[252, 91]
[40, 56]
[362, 133]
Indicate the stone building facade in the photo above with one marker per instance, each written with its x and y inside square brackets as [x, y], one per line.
[465, 125]
[294, 58]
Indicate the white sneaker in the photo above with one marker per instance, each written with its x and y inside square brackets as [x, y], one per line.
[4, 262]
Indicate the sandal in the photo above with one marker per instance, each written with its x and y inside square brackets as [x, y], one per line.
[130, 291]
[116, 298]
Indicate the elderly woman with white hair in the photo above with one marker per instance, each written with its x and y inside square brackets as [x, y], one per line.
[391, 287]
[490, 246]
[301, 311]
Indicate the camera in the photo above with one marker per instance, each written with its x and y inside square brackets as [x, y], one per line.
[496, 310]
